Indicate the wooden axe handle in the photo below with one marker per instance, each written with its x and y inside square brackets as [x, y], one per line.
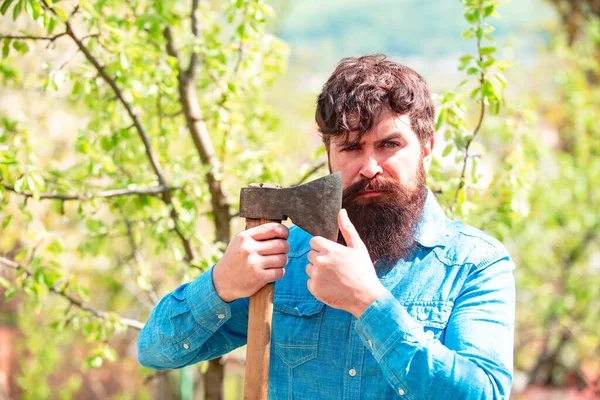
[258, 350]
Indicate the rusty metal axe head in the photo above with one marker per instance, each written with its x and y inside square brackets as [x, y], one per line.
[313, 206]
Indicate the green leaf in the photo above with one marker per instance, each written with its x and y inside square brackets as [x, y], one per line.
[6, 48]
[35, 9]
[94, 362]
[6, 221]
[10, 293]
[21, 255]
[19, 184]
[31, 183]
[17, 9]
[440, 119]
[479, 33]
[472, 15]
[447, 149]
[468, 34]
[123, 60]
[4, 283]
[55, 247]
[487, 50]
[5, 6]
[83, 293]
[51, 26]
[60, 14]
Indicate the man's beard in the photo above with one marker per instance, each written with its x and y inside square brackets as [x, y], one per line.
[387, 223]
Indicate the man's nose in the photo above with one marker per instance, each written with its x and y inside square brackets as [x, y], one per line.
[370, 168]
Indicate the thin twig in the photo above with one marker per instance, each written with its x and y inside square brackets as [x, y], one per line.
[137, 256]
[310, 172]
[100, 314]
[88, 196]
[32, 37]
[461, 183]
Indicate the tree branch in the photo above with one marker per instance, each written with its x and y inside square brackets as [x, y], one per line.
[100, 314]
[32, 37]
[202, 141]
[89, 196]
[195, 31]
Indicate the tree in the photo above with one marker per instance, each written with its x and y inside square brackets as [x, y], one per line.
[171, 93]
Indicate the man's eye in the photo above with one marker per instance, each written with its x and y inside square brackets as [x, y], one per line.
[390, 144]
[351, 147]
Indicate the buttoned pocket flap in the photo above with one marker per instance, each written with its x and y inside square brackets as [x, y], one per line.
[298, 307]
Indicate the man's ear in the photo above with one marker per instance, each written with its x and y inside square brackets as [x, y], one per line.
[428, 152]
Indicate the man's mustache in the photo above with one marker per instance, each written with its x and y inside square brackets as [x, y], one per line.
[370, 185]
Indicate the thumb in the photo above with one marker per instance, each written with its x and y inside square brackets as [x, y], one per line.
[349, 232]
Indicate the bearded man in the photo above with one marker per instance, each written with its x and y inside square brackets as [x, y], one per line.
[407, 303]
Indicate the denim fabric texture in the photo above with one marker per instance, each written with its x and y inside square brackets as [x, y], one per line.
[443, 330]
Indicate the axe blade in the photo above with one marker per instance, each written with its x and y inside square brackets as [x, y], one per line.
[313, 206]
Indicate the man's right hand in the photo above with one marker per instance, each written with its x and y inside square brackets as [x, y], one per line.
[253, 258]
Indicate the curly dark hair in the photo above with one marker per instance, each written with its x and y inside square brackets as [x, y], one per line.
[361, 88]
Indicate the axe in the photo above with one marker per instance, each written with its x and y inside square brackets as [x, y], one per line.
[313, 207]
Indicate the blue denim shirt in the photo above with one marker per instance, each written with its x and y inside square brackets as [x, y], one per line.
[443, 330]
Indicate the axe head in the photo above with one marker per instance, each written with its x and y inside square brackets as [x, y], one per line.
[313, 206]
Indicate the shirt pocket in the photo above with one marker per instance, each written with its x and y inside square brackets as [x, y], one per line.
[296, 328]
[432, 315]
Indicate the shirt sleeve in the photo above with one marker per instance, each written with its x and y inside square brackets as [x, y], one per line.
[192, 324]
[476, 359]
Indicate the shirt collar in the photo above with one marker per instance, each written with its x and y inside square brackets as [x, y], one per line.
[432, 230]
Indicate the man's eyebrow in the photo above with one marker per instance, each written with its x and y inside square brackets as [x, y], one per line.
[391, 136]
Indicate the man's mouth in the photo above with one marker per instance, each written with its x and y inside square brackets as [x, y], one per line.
[370, 193]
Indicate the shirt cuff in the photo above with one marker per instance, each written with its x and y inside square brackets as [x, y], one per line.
[207, 308]
[384, 322]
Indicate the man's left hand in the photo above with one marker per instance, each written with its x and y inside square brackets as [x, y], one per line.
[343, 277]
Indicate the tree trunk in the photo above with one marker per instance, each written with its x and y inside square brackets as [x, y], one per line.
[213, 380]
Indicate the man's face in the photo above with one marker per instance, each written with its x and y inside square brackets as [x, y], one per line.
[391, 150]
[383, 177]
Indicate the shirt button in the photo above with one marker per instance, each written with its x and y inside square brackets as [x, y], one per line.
[186, 346]
[370, 343]
[401, 392]
[220, 316]
[422, 316]
[352, 372]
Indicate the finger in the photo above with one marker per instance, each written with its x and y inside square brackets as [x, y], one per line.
[273, 246]
[272, 230]
[274, 274]
[310, 270]
[312, 256]
[349, 232]
[274, 261]
[318, 243]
